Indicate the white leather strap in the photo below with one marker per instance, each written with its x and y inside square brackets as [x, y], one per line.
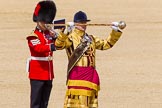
[42, 58]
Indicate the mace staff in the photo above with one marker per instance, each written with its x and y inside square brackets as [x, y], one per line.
[82, 24]
[121, 25]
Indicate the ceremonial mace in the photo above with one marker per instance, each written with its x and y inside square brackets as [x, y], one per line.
[121, 25]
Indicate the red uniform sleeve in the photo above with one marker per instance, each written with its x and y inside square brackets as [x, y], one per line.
[36, 45]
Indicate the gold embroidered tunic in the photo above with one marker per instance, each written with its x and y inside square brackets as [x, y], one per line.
[71, 41]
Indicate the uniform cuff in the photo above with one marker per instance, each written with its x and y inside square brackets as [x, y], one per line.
[52, 47]
[62, 36]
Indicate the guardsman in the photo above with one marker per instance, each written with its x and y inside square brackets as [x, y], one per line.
[83, 81]
[40, 63]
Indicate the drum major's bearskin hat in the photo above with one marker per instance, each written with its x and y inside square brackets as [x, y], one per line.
[45, 11]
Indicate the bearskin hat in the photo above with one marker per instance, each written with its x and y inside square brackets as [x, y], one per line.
[45, 11]
[80, 17]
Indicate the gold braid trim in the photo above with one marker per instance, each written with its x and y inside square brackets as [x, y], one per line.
[81, 92]
[83, 84]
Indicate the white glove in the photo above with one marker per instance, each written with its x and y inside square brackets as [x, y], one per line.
[118, 26]
[69, 27]
[115, 26]
[70, 24]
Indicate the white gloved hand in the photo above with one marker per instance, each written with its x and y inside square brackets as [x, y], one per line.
[69, 27]
[70, 24]
[115, 26]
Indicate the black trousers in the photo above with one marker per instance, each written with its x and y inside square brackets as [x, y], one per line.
[40, 93]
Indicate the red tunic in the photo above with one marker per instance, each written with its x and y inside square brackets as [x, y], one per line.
[39, 44]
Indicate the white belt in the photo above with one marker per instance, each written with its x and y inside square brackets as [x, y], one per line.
[42, 58]
[49, 58]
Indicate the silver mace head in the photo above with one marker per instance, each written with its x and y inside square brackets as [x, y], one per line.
[122, 25]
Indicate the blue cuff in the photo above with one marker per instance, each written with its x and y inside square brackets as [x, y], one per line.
[52, 47]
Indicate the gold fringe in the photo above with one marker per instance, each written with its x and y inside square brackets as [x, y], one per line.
[79, 101]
